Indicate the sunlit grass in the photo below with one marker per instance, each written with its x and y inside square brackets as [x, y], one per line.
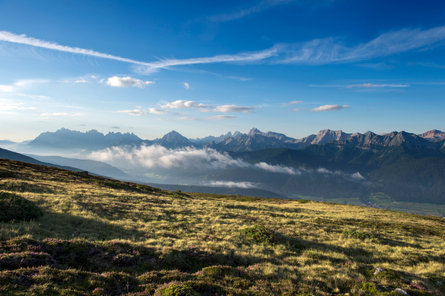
[165, 241]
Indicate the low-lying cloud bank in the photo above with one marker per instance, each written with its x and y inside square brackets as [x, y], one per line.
[159, 157]
[198, 160]
[230, 184]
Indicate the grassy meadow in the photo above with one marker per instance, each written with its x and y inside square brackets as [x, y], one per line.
[70, 233]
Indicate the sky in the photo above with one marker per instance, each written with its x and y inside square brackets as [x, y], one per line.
[209, 67]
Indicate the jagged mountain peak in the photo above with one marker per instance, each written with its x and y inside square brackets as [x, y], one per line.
[173, 140]
[433, 135]
[254, 131]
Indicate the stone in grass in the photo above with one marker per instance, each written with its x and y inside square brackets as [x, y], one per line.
[378, 270]
[401, 292]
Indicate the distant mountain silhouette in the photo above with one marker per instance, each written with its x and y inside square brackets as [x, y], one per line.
[92, 166]
[254, 140]
[7, 154]
[90, 140]
[174, 140]
[257, 140]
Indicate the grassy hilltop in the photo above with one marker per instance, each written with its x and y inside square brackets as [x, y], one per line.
[68, 233]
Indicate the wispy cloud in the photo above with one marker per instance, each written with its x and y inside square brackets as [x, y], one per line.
[323, 108]
[365, 85]
[313, 52]
[156, 111]
[377, 85]
[127, 81]
[231, 184]
[327, 50]
[156, 156]
[21, 84]
[277, 168]
[221, 117]
[189, 104]
[134, 112]
[10, 106]
[293, 103]
[258, 7]
[23, 39]
[245, 57]
[60, 114]
[188, 118]
[233, 108]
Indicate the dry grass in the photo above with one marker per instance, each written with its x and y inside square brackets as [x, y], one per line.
[118, 238]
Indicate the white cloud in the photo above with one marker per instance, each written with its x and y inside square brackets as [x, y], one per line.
[357, 176]
[293, 103]
[60, 114]
[23, 39]
[188, 118]
[7, 106]
[127, 81]
[377, 85]
[365, 85]
[329, 108]
[159, 157]
[326, 51]
[183, 104]
[232, 108]
[246, 57]
[134, 112]
[187, 85]
[262, 5]
[156, 111]
[221, 117]
[6, 88]
[21, 84]
[277, 169]
[232, 184]
[316, 52]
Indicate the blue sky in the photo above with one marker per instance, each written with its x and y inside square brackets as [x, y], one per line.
[203, 67]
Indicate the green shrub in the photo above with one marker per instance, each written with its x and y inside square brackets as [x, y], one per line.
[258, 234]
[16, 208]
[176, 289]
[190, 288]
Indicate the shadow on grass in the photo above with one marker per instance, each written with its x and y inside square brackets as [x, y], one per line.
[66, 226]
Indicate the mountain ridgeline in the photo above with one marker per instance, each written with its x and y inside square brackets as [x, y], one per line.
[403, 166]
[241, 142]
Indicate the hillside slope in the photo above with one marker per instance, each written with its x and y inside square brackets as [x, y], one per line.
[104, 237]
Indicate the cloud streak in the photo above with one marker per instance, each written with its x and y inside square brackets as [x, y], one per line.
[189, 104]
[261, 6]
[312, 52]
[231, 184]
[324, 108]
[327, 50]
[134, 112]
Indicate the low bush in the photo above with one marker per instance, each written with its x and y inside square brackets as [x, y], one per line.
[259, 234]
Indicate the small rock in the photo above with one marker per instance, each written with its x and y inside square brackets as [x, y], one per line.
[378, 270]
[401, 291]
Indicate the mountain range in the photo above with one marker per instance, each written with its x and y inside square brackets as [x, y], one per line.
[405, 167]
[254, 140]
